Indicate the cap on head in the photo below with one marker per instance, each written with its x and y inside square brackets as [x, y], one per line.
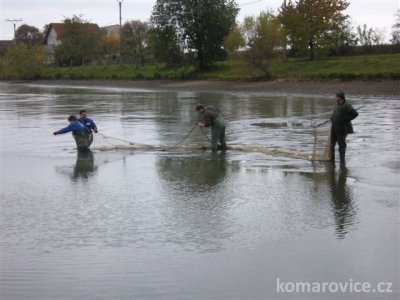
[340, 94]
[199, 107]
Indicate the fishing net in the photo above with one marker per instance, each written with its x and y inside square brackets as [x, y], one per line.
[198, 138]
[104, 142]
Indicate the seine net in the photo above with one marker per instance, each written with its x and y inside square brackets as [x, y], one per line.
[104, 142]
[198, 138]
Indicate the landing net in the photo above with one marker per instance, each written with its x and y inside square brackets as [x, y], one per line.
[322, 142]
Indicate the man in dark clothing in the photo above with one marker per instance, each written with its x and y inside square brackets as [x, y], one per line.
[82, 138]
[341, 119]
[213, 118]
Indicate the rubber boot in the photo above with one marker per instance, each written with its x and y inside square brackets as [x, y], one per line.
[342, 160]
[332, 155]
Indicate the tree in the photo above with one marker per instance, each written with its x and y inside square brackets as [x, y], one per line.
[134, 41]
[28, 35]
[308, 21]
[264, 38]
[164, 45]
[110, 46]
[80, 42]
[341, 36]
[23, 62]
[370, 36]
[396, 29]
[234, 40]
[200, 26]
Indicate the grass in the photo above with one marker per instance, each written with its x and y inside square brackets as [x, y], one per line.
[344, 68]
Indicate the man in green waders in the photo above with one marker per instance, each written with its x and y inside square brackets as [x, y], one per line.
[342, 116]
[213, 118]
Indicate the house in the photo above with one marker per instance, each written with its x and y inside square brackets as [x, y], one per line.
[54, 34]
[111, 30]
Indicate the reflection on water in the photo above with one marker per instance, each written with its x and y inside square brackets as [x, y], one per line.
[340, 194]
[183, 225]
[342, 202]
[194, 171]
[84, 167]
[197, 207]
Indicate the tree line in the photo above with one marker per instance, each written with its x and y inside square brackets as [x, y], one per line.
[201, 32]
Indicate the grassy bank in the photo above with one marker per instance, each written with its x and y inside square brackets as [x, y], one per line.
[344, 68]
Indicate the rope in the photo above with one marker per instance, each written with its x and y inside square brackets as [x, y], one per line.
[205, 134]
[111, 137]
[184, 138]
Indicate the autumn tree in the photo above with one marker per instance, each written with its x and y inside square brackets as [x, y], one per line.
[308, 21]
[134, 41]
[201, 26]
[28, 35]
[110, 46]
[23, 62]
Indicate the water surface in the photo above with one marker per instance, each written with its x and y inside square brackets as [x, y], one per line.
[192, 224]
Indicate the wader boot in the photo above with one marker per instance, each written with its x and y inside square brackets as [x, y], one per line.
[83, 141]
[342, 159]
[218, 134]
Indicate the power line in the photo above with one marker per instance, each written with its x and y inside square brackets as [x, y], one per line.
[252, 2]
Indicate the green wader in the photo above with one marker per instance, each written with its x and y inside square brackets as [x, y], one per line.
[218, 133]
[83, 141]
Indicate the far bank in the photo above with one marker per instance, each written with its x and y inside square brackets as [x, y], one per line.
[384, 87]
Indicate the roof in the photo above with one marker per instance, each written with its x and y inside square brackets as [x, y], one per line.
[59, 28]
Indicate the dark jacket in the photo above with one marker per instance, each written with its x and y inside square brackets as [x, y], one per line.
[342, 116]
[209, 116]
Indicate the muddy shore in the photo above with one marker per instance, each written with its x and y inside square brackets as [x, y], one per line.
[355, 87]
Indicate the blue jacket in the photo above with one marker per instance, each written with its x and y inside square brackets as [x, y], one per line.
[89, 124]
[75, 126]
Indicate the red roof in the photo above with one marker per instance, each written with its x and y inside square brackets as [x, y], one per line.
[59, 28]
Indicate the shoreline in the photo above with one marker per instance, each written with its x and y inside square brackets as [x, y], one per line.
[355, 87]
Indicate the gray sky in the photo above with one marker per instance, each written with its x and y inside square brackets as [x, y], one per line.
[374, 13]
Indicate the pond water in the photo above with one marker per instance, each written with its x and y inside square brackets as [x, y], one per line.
[193, 224]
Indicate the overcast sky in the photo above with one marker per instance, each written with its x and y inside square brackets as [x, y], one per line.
[374, 13]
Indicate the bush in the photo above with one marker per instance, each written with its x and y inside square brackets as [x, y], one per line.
[21, 62]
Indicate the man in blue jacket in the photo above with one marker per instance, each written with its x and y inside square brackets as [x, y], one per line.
[82, 138]
[87, 122]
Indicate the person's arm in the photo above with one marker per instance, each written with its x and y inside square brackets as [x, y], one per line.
[351, 112]
[71, 127]
[207, 121]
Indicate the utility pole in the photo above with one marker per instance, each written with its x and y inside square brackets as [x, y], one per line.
[14, 22]
[120, 30]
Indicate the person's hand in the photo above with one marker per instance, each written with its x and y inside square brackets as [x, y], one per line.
[201, 124]
[55, 132]
[95, 130]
